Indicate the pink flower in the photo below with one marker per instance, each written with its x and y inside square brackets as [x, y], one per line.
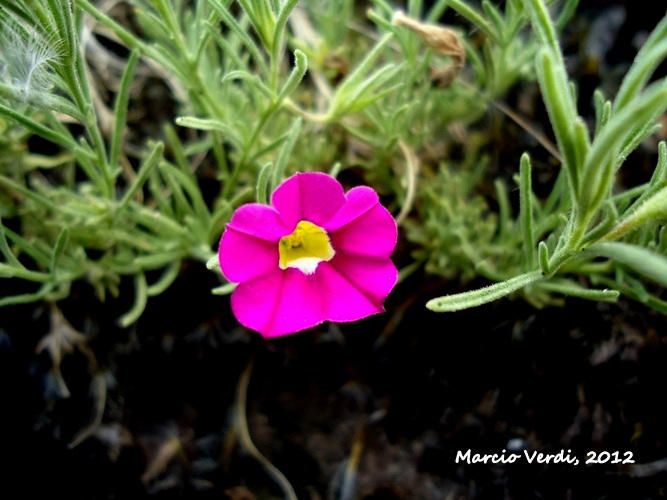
[317, 254]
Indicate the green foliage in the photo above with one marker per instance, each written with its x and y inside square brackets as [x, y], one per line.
[252, 91]
[455, 231]
[593, 213]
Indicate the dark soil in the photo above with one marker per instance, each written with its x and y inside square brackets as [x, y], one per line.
[584, 379]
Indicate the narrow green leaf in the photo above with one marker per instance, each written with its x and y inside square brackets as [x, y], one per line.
[156, 222]
[55, 103]
[120, 108]
[181, 202]
[211, 124]
[645, 298]
[476, 18]
[526, 211]
[254, 80]
[543, 25]
[38, 128]
[85, 159]
[493, 13]
[225, 289]
[581, 141]
[637, 286]
[623, 199]
[355, 98]
[335, 169]
[436, 11]
[267, 149]
[296, 75]
[167, 278]
[176, 148]
[188, 181]
[202, 123]
[543, 258]
[231, 50]
[285, 152]
[213, 263]
[457, 302]
[379, 19]
[652, 209]
[126, 36]
[646, 262]
[572, 289]
[662, 240]
[7, 271]
[566, 14]
[277, 43]
[158, 192]
[27, 298]
[149, 163]
[4, 248]
[29, 248]
[262, 19]
[166, 10]
[652, 53]
[609, 219]
[660, 172]
[602, 111]
[29, 193]
[140, 300]
[240, 32]
[505, 222]
[601, 161]
[61, 242]
[562, 113]
[355, 79]
[638, 135]
[558, 195]
[261, 194]
[371, 96]
[59, 10]
[156, 260]
[27, 274]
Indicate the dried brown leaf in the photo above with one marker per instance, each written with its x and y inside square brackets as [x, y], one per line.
[443, 40]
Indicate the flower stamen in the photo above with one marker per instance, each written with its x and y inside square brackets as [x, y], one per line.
[305, 248]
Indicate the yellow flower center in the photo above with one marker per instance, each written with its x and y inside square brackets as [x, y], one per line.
[305, 248]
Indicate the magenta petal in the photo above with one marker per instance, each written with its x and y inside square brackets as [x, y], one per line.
[259, 220]
[311, 196]
[279, 303]
[374, 277]
[373, 234]
[244, 257]
[254, 302]
[358, 201]
[344, 301]
[301, 305]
